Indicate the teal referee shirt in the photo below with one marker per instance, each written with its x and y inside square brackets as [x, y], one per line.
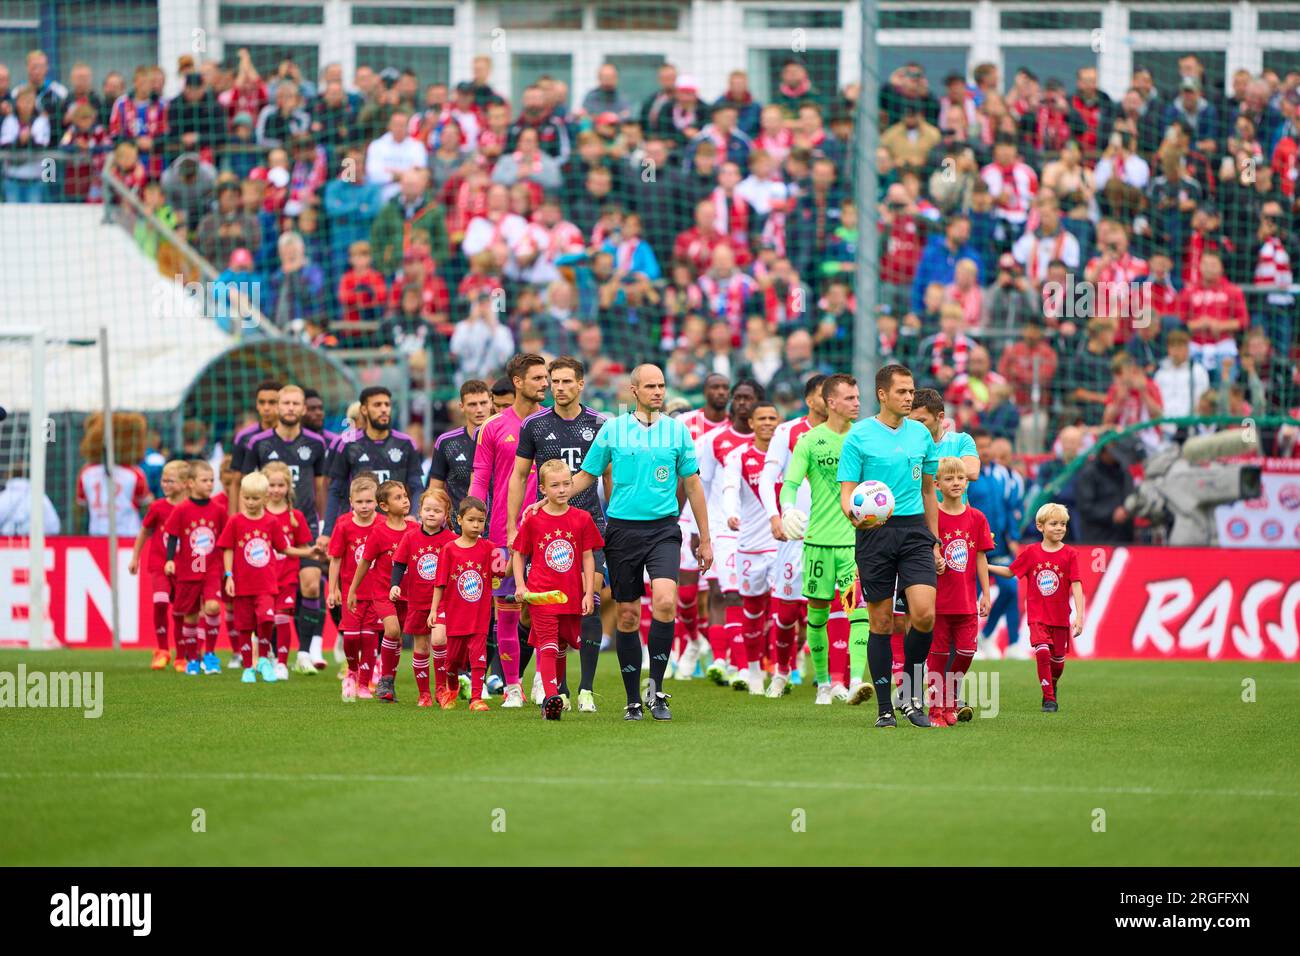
[896, 456]
[647, 461]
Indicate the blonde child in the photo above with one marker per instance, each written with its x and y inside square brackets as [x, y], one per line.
[415, 569]
[462, 600]
[346, 546]
[294, 525]
[369, 588]
[175, 489]
[192, 531]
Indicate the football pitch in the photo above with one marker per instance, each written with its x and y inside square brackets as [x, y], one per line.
[1157, 764]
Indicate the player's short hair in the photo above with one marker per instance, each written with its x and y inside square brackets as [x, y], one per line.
[387, 489]
[813, 384]
[309, 393]
[253, 483]
[470, 503]
[885, 377]
[766, 403]
[518, 366]
[438, 495]
[759, 391]
[201, 464]
[554, 464]
[950, 466]
[179, 469]
[831, 382]
[268, 385]
[362, 481]
[503, 386]
[572, 364]
[475, 386]
[294, 388]
[977, 433]
[370, 391]
[930, 400]
[1053, 510]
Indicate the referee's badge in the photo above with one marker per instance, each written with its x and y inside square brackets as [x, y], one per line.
[916, 472]
[661, 473]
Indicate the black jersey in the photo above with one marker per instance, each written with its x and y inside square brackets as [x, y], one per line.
[545, 435]
[305, 456]
[453, 463]
[396, 458]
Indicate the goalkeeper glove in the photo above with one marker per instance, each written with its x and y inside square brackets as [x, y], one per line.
[794, 523]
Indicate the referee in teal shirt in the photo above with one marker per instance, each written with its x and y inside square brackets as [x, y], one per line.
[650, 454]
[892, 448]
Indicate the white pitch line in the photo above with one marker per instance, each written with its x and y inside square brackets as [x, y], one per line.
[739, 784]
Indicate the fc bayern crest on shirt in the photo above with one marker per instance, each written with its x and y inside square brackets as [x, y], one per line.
[956, 554]
[1047, 582]
[202, 540]
[588, 434]
[559, 555]
[359, 551]
[304, 452]
[394, 455]
[257, 552]
[470, 585]
[427, 567]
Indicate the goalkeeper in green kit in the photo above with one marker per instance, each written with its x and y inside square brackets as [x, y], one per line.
[828, 555]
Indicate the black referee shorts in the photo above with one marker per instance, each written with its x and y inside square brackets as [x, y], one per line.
[901, 553]
[635, 548]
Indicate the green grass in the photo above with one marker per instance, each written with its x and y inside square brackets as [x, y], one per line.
[1186, 772]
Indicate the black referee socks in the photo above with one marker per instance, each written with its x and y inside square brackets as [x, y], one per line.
[628, 646]
[916, 647]
[880, 662]
[660, 644]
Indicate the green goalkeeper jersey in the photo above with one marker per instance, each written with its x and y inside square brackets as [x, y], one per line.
[816, 458]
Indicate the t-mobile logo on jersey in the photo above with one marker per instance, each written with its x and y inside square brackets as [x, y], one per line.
[572, 457]
[77, 909]
[381, 474]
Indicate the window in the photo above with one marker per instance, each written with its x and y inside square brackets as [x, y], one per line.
[1170, 21]
[638, 75]
[1051, 19]
[934, 18]
[369, 16]
[233, 14]
[765, 72]
[95, 14]
[1048, 62]
[759, 19]
[536, 16]
[1163, 65]
[1282, 61]
[431, 64]
[637, 16]
[528, 68]
[1287, 21]
[81, 37]
[267, 56]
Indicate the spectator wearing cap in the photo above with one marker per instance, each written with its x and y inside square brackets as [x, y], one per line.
[910, 140]
[1214, 311]
[1200, 115]
[605, 96]
[908, 86]
[391, 155]
[732, 143]
[939, 258]
[241, 153]
[685, 118]
[195, 120]
[412, 208]
[739, 97]
[1088, 374]
[236, 291]
[297, 289]
[227, 227]
[552, 132]
[190, 185]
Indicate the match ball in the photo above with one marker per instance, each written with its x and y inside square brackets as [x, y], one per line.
[871, 504]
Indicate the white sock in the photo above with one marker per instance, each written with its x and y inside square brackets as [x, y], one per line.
[755, 671]
[317, 646]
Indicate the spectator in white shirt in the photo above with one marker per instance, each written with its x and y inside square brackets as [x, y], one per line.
[1181, 381]
[393, 154]
[16, 507]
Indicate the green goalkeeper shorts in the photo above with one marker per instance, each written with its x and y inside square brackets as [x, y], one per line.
[827, 569]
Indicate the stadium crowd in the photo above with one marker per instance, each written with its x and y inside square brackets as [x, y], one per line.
[1054, 262]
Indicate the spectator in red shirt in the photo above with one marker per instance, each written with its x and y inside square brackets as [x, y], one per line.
[1133, 398]
[901, 242]
[1115, 273]
[418, 272]
[695, 246]
[1016, 365]
[362, 290]
[1214, 311]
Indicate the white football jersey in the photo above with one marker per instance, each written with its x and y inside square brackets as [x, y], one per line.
[740, 477]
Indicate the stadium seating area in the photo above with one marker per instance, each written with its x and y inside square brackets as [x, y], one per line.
[718, 233]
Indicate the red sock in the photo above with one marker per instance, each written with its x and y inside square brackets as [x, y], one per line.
[211, 629]
[440, 668]
[561, 665]
[246, 642]
[936, 664]
[283, 635]
[837, 636]
[687, 611]
[366, 666]
[420, 666]
[1058, 667]
[231, 633]
[264, 630]
[546, 667]
[896, 650]
[754, 609]
[352, 651]
[178, 627]
[476, 671]
[961, 663]
[717, 635]
[735, 618]
[784, 633]
[1043, 658]
[390, 652]
[186, 642]
[161, 611]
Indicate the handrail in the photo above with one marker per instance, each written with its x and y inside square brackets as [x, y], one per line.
[191, 255]
[1045, 493]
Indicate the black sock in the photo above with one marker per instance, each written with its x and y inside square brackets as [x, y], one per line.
[916, 647]
[309, 621]
[660, 643]
[590, 650]
[525, 649]
[336, 615]
[494, 658]
[628, 645]
[880, 662]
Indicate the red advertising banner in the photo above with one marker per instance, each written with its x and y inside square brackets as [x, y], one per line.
[1152, 603]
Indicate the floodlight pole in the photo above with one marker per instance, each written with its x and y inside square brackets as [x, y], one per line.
[36, 475]
[866, 338]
